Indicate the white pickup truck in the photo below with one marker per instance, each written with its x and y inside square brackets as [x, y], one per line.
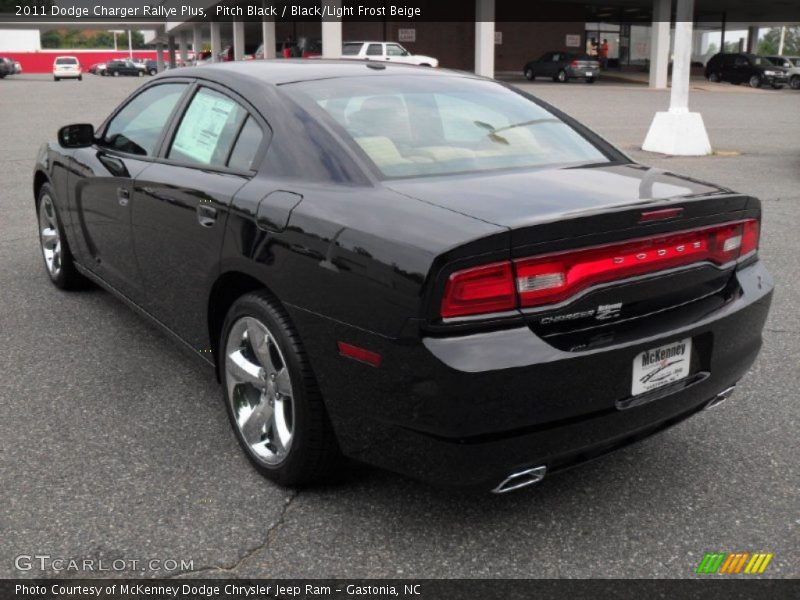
[386, 51]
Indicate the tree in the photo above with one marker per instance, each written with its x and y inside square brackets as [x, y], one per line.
[770, 42]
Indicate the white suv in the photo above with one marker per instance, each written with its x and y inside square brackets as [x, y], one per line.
[67, 67]
[388, 51]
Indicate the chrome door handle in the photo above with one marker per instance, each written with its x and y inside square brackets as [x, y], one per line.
[206, 215]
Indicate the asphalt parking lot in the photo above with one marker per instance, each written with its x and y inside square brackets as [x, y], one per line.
[115, 445]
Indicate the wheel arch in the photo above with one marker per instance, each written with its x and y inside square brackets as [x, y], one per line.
[39, 179]
[228, 287]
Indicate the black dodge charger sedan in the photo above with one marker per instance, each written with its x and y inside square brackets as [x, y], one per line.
[420, 269]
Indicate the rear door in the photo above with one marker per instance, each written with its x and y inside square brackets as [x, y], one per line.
[103, 183]
[181, 203]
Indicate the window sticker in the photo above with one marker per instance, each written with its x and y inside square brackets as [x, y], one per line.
[202, 126]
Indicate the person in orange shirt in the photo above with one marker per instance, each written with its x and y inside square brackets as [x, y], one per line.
[604, 54]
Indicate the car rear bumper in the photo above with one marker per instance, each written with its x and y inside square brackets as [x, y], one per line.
[470, 410]
[583, 73]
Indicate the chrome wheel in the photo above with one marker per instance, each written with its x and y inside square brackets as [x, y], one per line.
[49, 236]
[259, 390]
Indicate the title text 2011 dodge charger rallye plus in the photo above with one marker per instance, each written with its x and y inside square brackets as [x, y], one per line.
[419, 269]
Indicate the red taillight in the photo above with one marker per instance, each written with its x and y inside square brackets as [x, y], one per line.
[574, 64]
[479, 290]
[556, 277]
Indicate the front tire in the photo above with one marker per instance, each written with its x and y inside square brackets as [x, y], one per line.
[529, 74]
[116, 73]
[714, 77]
[590, 80]
[794, 82]
[755, 81]
[271, 394]
[55, 249]
[562, 76]
[153, 72]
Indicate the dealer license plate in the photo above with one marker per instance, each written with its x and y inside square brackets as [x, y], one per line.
[661, 366]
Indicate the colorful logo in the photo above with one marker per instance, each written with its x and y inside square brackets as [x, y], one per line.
[736, 562]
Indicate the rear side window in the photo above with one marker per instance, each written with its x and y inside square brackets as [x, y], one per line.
[137, 128]
[247, 144]
[374, 50]
[208, 129]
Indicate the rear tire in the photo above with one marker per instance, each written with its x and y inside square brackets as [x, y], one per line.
[57, 256]
[80, 77]
[56, 79]
[755, 81]
[153, 71]
[794, 82]
[116, 73]
[562, 76]
[714, 77]
[590, 80]
[292, 441]
[140, 74]
[529, 74]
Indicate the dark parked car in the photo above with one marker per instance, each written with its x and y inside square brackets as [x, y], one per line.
[6, 67]
[416, 268]
[563, 66]
[116, 68]
[745, 68]
[151, 67]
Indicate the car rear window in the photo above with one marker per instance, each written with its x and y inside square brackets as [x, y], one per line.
[411, 126]
[66, 61]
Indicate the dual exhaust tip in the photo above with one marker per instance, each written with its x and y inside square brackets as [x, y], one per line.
[521, 479]
[721, 397]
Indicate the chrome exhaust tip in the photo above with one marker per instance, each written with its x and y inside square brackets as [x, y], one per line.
[721, 397]
[520, 479]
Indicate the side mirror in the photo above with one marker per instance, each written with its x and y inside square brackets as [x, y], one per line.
[80, 135]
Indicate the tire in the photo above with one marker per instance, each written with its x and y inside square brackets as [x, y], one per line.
[116, 73]
[590, 80]
[294, 445]
[56, 79]
[153, 72]
[714, 77]
[140, 74]
[529, 74]
[755, 81]
[57, 257]
[794, 82]
[80, 77]
[562, 76]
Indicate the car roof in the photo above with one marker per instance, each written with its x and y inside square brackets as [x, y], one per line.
[285, 70]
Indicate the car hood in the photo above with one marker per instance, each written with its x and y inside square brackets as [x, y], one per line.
[518, 199]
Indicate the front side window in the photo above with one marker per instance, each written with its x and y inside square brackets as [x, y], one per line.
[374, 50]
[395, 50]
[411, 126]
[137, 128]
[351, 49]
[208, 129]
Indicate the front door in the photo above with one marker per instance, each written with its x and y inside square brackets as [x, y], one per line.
[102, 198]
